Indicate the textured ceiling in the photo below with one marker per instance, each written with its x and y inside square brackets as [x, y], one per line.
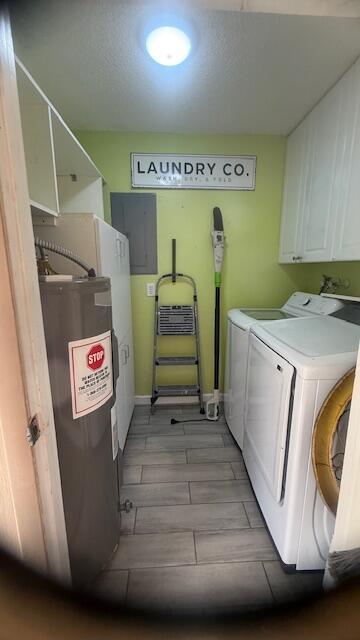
[248, 73]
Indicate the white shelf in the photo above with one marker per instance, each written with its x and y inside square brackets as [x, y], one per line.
[62, 178]
[70, 157]
[39, 209]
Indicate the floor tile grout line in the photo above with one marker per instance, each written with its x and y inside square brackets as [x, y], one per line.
[202, 531]
[197, 563]
[184, 463]
[192, 564]
[196, 558]
[195, 481]
[127, 586]
[196, 504]
[189, 449]
[219, 480]
[164, 504]
[212, 462]
[268, 580]
[159, 566]
[155, 531]
[136, 514]
[247, 517]
[211, 446]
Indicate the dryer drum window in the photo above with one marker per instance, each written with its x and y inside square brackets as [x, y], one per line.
[329, 440]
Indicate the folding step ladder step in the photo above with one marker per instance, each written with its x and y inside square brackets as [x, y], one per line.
[163, 361]
[177, 390]
[176, 320]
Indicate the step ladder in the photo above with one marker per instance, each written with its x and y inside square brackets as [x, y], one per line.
[176, 320]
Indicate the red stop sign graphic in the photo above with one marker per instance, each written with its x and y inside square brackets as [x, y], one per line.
[95, 357]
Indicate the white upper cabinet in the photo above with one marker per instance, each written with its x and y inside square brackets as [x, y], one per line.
[347, 231]
[294, 193]
[320, 220]
[319, 213]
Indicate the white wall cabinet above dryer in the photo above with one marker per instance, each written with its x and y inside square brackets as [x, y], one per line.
[61, 176]
[347, 231]
[320, 221]
[319, 211]
[297, 152]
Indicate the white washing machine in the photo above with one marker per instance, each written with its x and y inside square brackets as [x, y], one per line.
[240, 322]
[292, 366]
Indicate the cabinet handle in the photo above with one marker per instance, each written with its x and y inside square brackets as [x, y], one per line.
[127, 349]
[118, 247]
[123, 355]
[297, 258]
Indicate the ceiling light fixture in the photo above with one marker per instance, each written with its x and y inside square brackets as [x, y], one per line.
[168, 46]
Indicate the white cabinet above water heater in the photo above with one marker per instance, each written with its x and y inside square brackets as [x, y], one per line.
[107, 251]
[320, 218]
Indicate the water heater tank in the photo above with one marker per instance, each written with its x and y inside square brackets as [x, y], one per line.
[79, 342]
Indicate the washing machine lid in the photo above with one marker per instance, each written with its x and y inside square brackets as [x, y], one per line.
[245, 318]
[299, 304]
[267, 314]
[312, 344]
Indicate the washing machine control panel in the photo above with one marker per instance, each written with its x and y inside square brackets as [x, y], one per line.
[300, 304]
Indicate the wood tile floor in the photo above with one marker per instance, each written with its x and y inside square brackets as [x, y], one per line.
[195, 539]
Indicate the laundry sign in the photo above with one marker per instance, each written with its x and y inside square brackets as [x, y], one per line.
[91, 376]
[173, 171]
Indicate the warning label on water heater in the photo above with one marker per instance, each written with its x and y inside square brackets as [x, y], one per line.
[91, 375]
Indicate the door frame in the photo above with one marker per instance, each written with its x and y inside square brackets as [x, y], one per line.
[19, 240]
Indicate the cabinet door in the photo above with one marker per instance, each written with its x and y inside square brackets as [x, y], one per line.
[123, 292]
[129, 377]
[294, 193]
[109, 263]
[121, 405]
[125, 388]
[320, 212]
[268, 395]
[347, 232]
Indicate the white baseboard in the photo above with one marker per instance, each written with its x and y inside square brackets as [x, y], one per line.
[143, 400]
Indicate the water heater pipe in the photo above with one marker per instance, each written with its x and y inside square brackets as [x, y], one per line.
[55, 248]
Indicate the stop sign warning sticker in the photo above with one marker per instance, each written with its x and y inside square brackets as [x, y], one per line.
[95, 357]
[91, 377]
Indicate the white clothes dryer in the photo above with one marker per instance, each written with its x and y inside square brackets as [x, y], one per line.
[292, 366]
[240, 322]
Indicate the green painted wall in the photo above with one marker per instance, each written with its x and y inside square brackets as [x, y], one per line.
[251, 274]
[311, 275]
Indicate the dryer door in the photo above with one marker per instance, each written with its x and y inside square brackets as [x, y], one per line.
[269, 383]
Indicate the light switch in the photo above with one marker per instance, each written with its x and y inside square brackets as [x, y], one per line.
[150, 289]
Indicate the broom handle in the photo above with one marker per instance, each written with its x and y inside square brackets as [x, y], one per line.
[217, 338]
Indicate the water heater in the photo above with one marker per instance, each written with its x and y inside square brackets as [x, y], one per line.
[83, 369]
